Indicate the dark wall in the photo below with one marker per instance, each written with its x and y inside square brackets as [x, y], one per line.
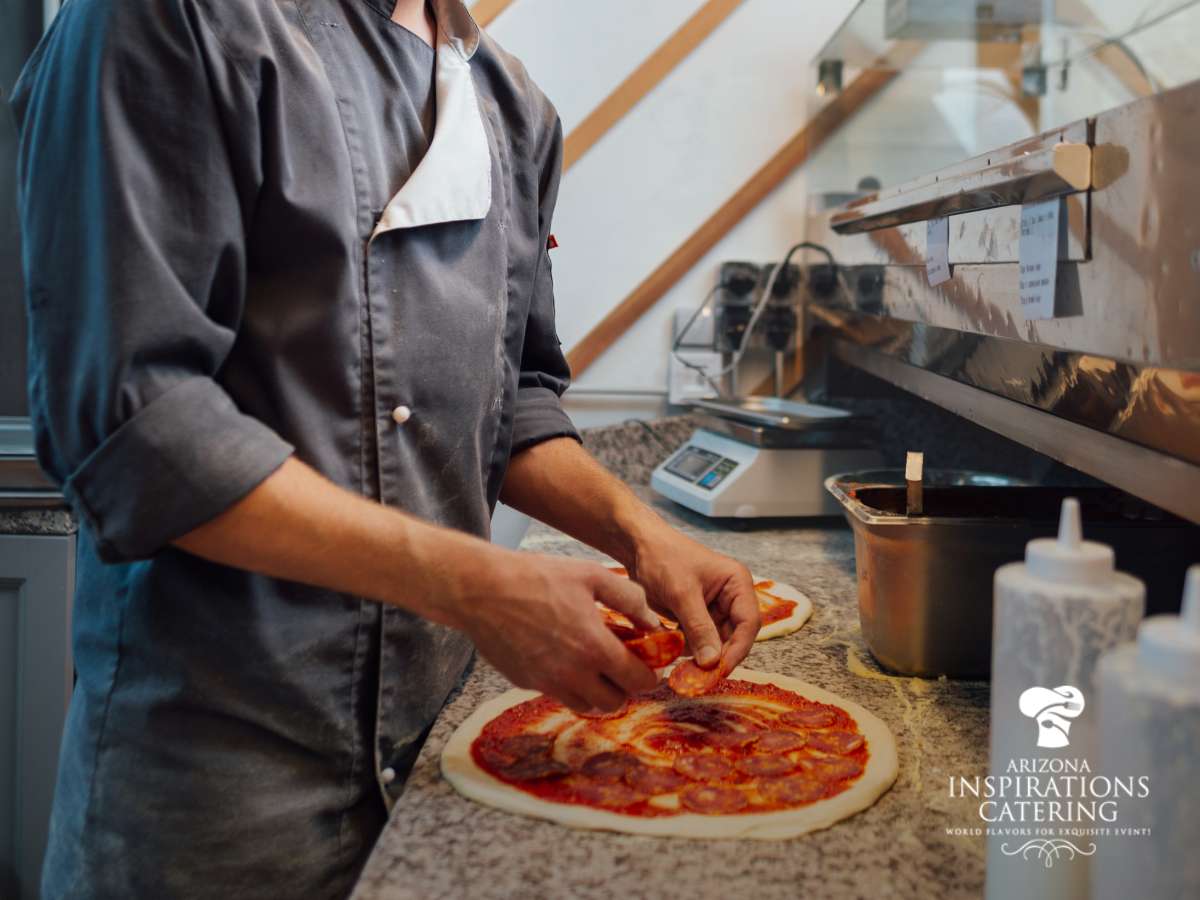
[20, 28]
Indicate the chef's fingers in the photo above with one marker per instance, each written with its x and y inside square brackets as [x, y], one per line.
[625, 596]
[573, 701]
[744, 617]
[698, 627]
[600, 693]
[621, 668]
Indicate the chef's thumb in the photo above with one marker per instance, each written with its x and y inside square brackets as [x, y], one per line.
[700, 630]
[626, 596]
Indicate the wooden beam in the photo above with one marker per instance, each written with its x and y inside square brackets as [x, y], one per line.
[484, 12]
[793, 154]
[646, 78]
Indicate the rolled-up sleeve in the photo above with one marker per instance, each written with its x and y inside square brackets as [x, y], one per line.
[544, 371]
[133, 206]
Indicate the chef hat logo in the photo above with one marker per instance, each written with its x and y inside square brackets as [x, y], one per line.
[1053, 711]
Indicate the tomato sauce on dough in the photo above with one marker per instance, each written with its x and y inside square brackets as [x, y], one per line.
[742, 748]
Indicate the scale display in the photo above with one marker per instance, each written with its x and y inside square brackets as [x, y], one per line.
[701, 466]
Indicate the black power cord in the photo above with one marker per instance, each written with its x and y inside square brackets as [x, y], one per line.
[825, 286]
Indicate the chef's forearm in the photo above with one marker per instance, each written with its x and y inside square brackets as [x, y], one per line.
[298, 525]
[559, 483]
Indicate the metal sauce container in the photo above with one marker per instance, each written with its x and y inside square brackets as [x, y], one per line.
[1150, 732]
[1054, 615]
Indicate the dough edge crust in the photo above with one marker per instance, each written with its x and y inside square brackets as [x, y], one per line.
[460, 770]
[795, 620]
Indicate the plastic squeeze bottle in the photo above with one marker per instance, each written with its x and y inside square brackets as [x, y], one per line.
[1054, 614]
[1150, 741]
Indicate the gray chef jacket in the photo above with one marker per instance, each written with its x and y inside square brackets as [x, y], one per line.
[255, 230]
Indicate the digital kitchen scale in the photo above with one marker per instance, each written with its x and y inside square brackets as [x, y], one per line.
[763, 456]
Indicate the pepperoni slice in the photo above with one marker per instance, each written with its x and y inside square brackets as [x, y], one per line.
[671, 743]
[713, 799]
[519, 746]
[808, 718]
[765, 766]
[618, 623]
[613, 794]
[840, 742]
[780, 741]
[515, 749]
[828, 770]
[534, 767]
[658, 648]
[730, 740]
[791, 791]
[689, 680]
[599, 716]
[703, 766]
[610, 765]
[654, 780]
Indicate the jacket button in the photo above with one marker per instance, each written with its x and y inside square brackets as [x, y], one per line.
[388, 775]
[401, 414]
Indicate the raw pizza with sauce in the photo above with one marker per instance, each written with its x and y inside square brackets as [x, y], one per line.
[758, 756]
[781, 608]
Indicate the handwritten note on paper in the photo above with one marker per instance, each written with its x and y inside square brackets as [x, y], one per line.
[1039, 258]
[937, 251]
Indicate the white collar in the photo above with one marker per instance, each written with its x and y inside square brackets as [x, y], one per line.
[453, 181]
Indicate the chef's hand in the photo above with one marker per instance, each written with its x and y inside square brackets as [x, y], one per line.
[710, 595]
[534, 618]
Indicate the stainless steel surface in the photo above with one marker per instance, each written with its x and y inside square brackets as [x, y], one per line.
[1112, 385]
[857, 434]
[1162, 479]
[775, 412]
[983, 236]
[925, 582]
[1133, 299]
[981, 183]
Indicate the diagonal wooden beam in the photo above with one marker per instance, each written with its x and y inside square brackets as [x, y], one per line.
[484, 12]
[646, 78]
[793, 154]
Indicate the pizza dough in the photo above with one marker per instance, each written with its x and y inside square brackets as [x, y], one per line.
[474, 782]
[794, 620]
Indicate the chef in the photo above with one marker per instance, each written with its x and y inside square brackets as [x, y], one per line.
[292, 337]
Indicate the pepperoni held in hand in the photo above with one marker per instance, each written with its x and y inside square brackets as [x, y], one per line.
[655, 648]
[689, 680]
[658, 648]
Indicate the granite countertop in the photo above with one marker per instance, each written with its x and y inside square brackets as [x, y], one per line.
[35, 520]
[438, 844]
